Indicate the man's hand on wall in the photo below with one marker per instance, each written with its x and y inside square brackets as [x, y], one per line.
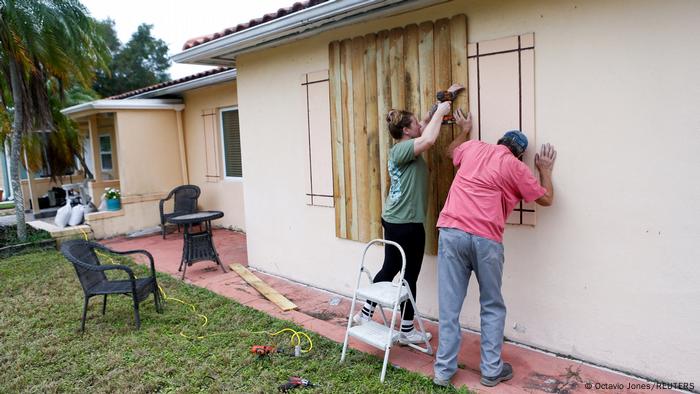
[546, 158]
[464, 122]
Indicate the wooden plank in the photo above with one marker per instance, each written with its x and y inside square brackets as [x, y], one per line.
[426, 69]
[348, 138]
[361, 141]
[458, 55]
[384, 105]
[372, 123]
[411, 73]
[271, 294]
[398, 94]
[337, 139]
[443, 79]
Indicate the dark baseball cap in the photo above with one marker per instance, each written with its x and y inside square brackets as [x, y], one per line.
[516, 140]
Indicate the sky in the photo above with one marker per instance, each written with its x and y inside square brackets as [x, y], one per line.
[176, 21]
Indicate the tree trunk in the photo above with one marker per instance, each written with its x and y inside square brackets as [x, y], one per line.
[16, 147]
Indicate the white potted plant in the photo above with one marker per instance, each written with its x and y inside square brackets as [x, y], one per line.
[113, 198]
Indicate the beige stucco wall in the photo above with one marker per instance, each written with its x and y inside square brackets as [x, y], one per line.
[149, 166]
[217, 193]
[610, 273]
[132, 217]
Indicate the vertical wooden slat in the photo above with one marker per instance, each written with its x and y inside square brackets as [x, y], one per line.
[384, 105]
[411, 74]
[443, 79]
[399, 69]
[348, 138]
[427, 93]
[458, 54]
[398, 94]
[337, 140]
[361, 141]
[372, 123]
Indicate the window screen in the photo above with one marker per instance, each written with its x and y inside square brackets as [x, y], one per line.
[231, 137]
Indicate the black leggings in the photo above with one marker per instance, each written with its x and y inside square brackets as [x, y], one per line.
[411, 237]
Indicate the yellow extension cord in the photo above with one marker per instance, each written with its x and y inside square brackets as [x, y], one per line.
[296, 335]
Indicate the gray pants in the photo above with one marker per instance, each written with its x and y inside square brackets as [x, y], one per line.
[460, 253]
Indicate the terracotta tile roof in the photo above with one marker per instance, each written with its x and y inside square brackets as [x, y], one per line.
[298, 6]
[169, 83]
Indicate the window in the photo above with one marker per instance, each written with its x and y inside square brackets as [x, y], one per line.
[231, 143]
[106, 152]
[319, 181]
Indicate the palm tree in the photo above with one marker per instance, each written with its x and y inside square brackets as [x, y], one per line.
[45, 47]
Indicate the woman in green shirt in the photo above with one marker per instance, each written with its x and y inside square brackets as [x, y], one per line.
[405, 206]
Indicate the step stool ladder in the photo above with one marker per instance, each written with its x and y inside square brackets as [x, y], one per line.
[385, 294]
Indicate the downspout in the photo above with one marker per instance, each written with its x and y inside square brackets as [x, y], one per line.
[183, 153]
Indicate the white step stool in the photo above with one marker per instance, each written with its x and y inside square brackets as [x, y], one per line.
[385, 294]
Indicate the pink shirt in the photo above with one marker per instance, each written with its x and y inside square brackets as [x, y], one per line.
[489, 183]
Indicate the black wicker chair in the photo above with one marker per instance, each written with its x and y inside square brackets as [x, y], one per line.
[185, 202]
[94, 281]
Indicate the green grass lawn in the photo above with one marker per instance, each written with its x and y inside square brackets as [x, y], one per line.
[7, 204]
[43, 350]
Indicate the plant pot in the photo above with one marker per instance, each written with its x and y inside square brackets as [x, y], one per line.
[114, 204]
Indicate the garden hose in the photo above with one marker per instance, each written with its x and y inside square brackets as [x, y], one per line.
[295, 339]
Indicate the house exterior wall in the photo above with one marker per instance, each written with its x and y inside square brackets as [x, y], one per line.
[148, 151]
[147, 148]
[609, 274]
[217, 193]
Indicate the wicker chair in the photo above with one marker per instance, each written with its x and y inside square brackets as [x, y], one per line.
[185, 202]
[94, 281]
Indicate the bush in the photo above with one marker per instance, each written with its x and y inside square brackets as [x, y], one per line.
[8, 235]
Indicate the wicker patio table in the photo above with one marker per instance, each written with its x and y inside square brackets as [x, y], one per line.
[197, 246]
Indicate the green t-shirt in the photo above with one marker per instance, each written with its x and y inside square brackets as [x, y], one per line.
[407, 199]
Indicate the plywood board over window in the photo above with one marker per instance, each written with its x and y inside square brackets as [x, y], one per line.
[401, 69]
[502, 91]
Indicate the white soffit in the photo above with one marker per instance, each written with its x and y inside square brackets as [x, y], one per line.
[115, 105]
[295, 26]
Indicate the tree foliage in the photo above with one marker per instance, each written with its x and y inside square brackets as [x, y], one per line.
[46, 46]
[143, 61]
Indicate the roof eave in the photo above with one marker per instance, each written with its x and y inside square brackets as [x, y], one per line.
[292, 27]
[97, 106]
[225, 76]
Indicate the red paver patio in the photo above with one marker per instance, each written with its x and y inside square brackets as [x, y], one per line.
[534, 371]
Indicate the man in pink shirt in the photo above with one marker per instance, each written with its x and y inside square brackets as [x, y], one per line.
[489, 183]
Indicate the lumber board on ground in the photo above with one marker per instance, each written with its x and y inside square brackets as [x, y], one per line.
[264, 289]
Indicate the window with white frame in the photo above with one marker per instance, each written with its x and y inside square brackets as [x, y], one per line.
[106, 153]
[231, 143]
